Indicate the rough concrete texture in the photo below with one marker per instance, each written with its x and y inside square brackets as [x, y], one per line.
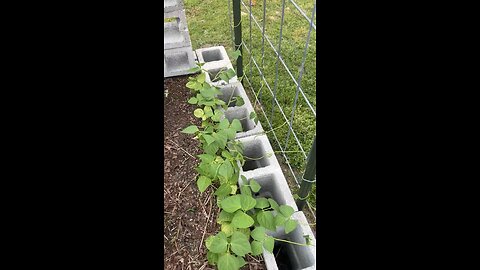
[172, 5]
[212, 56]
[178, 61]
[178, 16]
[240, 112]
[301, 257]
[174, 37]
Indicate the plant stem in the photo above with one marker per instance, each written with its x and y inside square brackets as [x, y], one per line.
[295, 243]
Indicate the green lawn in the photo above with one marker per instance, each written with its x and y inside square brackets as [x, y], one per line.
[208, 23]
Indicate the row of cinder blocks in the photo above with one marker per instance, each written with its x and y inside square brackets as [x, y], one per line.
[261, 163]
[178, 55]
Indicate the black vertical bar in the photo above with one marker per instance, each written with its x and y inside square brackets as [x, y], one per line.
[308, 177]
[237, 29]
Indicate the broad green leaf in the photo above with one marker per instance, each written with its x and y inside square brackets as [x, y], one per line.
[245, 231]
[231, 133]
[231, 73]
[212, 257]
[231, 204]
[208, 241]
[203, 183]
[224, 216]
[265, 219]
[262, 203]
[216, 116]
[290, 225]
[221, 138]
[286, 210]
[218, 244]
[208, 92]
[209, 139]
[193, 100]
[223, 124]
[226, 169]
[236, 54]
[242, 220]
[226, 154]
[246, 190]
[236, 125]
[223, 190]
[269, 243]
[191, 84]
[274, 205]
[201, 78]
[234, 189]
[254, 185]
[208, 111]
[224, 76]
[198, 113]
[211, 149]
[190, 129]
[280, 219]
[257, 248]
[227, 262]
[220, 102]
[240, 244]
[195, 69]
[240, 261]
[206, 158]
[258, 234]
[227, 228]
[247, 202]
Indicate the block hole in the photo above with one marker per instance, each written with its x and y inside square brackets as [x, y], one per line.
[270, 188]
[171, 30]
[177, 61]
[214, 72]
[212, 55]
[240, 113]
[293, 256]
[254, 156]
[227, 92]
[281, 256]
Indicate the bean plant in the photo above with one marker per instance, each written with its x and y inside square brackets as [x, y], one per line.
[244, 219]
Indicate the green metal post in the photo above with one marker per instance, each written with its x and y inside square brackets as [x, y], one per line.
[308, 177]
[237, 29]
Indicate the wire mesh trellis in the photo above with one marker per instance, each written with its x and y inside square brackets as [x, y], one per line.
[296, 123]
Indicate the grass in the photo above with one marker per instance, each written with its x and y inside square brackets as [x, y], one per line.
[209, 25]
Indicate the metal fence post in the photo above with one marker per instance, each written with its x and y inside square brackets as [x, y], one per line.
[237, 29]
[308, 177]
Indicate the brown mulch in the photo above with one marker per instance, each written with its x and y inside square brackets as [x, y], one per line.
[189, 216]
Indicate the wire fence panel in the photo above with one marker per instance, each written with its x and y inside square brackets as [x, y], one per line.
[279, 61]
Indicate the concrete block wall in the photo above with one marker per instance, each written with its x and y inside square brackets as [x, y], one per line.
[178, 55]
[263, 165]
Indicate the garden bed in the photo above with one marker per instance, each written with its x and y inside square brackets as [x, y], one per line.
[189, 216]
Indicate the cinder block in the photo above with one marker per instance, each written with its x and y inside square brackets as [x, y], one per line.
[240, 112]
[178, 16]
[172, 5]
[178, 61]
[300, 257]
[174, 37]
[262, 165]
[214, 69]
[212, 55]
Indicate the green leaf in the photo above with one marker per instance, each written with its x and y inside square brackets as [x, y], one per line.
[259, 234]
[274, 205]
[224, 216]
[198, 113]
[246, 190]
[257, 248]
[227, 228]
[191, 84]
[265, 219]
[223, 124]
[286, 210]
[231, 73]
[247, 202]
[262, 203]
[245, 231]
[201, 78]
[226, 154]
[224, 77]
[218, 244]
[234, 189]
[208, 111]
[236, 54]
[212, 258]
[242, 220]
[190, 129]
[290, 225]
[209, 139]
[193, 100]
[203, 183]
[195, 69]
[236, 125]
[221, 138]
[239, 101]
[227, 262]
[219, 102]
[231, 133]
[206, 158]
[269, 243]
[254, 185]
[240, 244]
[240, 262]
[216, 116]
[226, 170]
[280, 219]
[223, 190]
[254, 117]
[208, 92]
[211, 149]
[231, 204]
[208, 241]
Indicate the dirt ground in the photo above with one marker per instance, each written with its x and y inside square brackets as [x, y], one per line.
[189, 216]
